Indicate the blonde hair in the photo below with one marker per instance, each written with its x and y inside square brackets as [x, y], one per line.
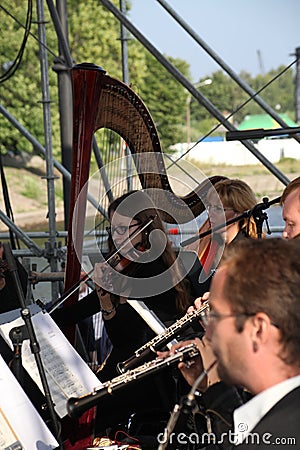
[235, 194]
[238, 195]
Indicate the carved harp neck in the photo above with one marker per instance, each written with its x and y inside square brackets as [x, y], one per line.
[101, 101]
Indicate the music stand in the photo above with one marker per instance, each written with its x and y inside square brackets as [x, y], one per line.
[35, 348]
[259, 133]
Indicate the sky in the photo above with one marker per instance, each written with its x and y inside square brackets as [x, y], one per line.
[251, 35]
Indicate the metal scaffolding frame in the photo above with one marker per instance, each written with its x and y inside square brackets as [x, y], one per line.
[62, 66]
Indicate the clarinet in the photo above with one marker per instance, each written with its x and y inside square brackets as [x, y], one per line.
[149, 349]
[76, 406]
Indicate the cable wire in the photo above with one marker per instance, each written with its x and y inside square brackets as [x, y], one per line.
[14, 67]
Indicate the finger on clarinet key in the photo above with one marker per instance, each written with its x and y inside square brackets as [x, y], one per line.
[198, 303]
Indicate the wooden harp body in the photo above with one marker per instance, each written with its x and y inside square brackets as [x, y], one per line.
[101, 101]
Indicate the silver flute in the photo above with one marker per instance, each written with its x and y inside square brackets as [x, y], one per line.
[148, 350]
[76, 406]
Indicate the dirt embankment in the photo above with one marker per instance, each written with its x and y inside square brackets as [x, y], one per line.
[28, 190]
[27, 187]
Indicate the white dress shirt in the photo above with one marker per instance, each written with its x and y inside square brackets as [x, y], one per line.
[247, 416]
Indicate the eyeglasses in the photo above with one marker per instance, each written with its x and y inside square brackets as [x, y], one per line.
[218, 209]
[121, 229]
[207, 317]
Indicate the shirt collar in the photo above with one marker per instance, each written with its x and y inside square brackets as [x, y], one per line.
[247, 416]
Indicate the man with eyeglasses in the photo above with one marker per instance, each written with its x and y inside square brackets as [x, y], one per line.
[290, 202]
[253, 331]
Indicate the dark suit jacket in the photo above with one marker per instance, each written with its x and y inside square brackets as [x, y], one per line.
[280, 427]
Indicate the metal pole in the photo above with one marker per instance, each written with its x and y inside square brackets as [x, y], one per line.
[38, 146]
[191, 88]
[51, 247]
[224, 66]
[23, 236]
[125, 70]
[65, 108]
[297, 86]
[64, 47]
[124, 46]
[188, 120]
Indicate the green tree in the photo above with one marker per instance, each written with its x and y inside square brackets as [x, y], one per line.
[166, 100]
[21, 93]
[93, 37]
[221, 93]
[279, 94]
[230, 99]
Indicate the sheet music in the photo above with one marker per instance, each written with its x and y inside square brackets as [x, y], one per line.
[66, 372]
[18, 415]
[7, 435]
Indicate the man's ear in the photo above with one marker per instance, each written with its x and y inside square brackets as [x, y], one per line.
[261, 327]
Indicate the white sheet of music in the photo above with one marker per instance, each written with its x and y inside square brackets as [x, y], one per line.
[21, 427]
[66, 372]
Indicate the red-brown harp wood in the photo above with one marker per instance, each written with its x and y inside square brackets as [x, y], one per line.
[101, 101]
[95, 98]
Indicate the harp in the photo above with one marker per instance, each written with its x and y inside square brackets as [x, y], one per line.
[100, 101]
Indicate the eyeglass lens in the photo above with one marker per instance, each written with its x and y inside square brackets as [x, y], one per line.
[120, 230]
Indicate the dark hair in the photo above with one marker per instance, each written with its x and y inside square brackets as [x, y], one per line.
[264, 276]
[139, 206]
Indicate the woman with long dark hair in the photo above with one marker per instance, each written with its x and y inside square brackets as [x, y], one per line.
[142, 266]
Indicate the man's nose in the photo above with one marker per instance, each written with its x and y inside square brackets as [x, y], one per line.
[285, 234]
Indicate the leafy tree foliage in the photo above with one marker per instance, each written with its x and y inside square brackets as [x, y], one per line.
[21, 94]
[233, 101]
[166, 100]
[279, 94]
[94, 36]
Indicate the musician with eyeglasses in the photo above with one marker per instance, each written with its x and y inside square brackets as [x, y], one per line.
[141, 265]
[253, 331]
[227, 199]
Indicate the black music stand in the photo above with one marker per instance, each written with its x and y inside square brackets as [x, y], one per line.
[35, 348]
[260, 133]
